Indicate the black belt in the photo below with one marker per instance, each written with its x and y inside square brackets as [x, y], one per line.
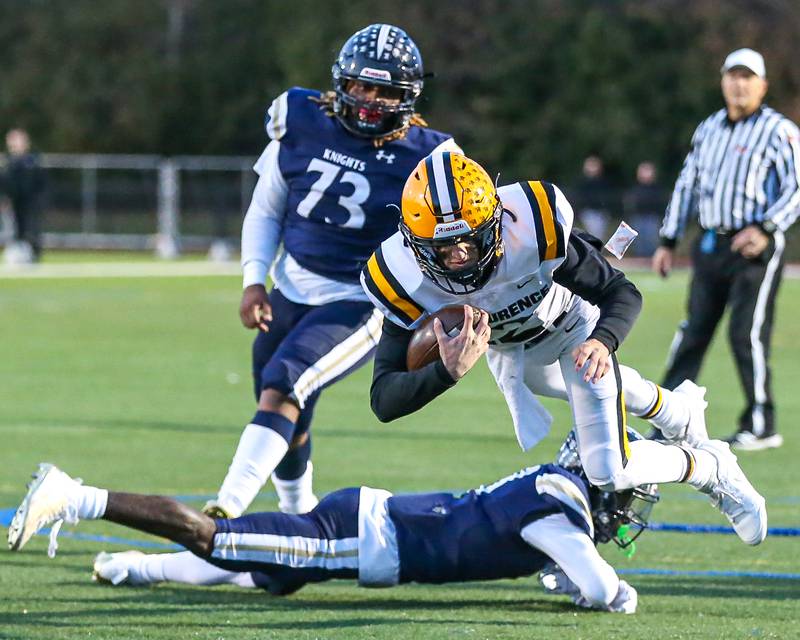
[546, 331]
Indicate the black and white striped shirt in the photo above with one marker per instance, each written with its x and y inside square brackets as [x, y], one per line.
[738, 174]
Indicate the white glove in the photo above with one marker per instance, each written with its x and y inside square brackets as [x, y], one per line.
[625, 601]
[555, 581]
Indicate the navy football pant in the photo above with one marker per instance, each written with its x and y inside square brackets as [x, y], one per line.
[306, 349]
[285, 552]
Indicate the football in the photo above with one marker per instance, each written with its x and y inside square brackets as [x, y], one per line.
[423, 348]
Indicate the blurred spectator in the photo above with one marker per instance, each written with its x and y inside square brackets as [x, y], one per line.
[591, 197]
[23, 183]
[644, 206]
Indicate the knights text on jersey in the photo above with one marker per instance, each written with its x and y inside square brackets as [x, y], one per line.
[340, 185]
[444, 538]
[520, 295]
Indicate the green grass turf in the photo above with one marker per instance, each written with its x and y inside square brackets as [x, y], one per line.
[143, 385]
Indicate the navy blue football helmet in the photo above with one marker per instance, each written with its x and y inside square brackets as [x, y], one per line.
[383, 55]
[620, 516]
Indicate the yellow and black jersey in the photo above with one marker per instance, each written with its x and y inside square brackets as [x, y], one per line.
[520, 295]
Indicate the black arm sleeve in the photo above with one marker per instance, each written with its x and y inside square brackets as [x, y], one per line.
[587, 273]
[395, 391]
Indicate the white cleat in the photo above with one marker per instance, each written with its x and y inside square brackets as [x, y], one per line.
[735, 497]
[114, 568]
[746, 441]
[695, 433]
[46, 503]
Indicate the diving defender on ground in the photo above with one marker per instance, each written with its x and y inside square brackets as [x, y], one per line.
[514, 527]
[555, 312]
[333, 164]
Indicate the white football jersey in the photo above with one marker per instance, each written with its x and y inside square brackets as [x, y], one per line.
[520, 295]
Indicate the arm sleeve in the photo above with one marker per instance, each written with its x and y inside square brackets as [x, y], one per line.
[784, 211]
[395, 391]
[575, 553]
[263, 224]
[587, 273]
[683, 196]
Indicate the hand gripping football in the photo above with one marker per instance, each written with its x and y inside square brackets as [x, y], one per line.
[423, 347]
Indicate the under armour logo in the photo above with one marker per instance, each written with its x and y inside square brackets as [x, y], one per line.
[389, 157]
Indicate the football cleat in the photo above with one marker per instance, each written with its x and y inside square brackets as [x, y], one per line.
[213, 509]
[747, 441]
[48, 502]
[695, 433]
[735, 497]
[114, 568]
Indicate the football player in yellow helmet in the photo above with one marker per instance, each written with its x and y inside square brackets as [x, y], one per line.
[553, 312]
[451, 219]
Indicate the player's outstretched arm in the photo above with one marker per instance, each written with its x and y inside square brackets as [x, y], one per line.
[575, 553]
[395, 391]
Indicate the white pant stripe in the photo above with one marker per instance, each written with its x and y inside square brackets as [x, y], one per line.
[289, 551]
[756, 345]
[339, 359]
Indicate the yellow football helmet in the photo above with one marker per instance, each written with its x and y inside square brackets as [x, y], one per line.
[449, 199]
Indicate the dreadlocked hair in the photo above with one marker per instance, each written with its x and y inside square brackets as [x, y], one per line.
[325, 102]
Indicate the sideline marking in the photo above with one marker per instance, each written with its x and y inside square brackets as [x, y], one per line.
[120, 270]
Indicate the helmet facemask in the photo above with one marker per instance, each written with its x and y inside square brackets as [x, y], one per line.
[486, 238]
[382, 55]
[622, 516]
[373, 119]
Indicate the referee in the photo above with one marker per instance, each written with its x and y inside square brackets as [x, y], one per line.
[741, 180]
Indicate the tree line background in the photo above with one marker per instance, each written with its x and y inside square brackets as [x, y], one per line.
[528, 87]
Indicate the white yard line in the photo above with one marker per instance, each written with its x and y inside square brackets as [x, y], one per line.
[120, 270]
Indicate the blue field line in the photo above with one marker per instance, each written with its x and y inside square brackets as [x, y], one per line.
[714, 574]
[675, 527]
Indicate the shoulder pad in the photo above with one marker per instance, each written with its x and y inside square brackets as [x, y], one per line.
[387, 293]
[288, 110]
[552, 226]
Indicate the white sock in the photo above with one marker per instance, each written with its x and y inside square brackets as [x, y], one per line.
[663, 408]
[91, 502]
[703, 475]
[640, 394]
[296, 496]
[184, 567]
[655, 462]
[259, 452]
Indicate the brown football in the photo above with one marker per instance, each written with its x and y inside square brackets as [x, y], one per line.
[423, 348]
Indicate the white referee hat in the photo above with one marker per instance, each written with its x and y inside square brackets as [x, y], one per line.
[747, 58]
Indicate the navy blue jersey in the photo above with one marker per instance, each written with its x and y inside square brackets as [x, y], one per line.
[476, 536]
[339, 184]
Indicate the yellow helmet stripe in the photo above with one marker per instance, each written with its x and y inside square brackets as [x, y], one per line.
[549, 223]
[384, 286]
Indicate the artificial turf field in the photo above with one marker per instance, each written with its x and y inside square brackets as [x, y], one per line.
[142, 384]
